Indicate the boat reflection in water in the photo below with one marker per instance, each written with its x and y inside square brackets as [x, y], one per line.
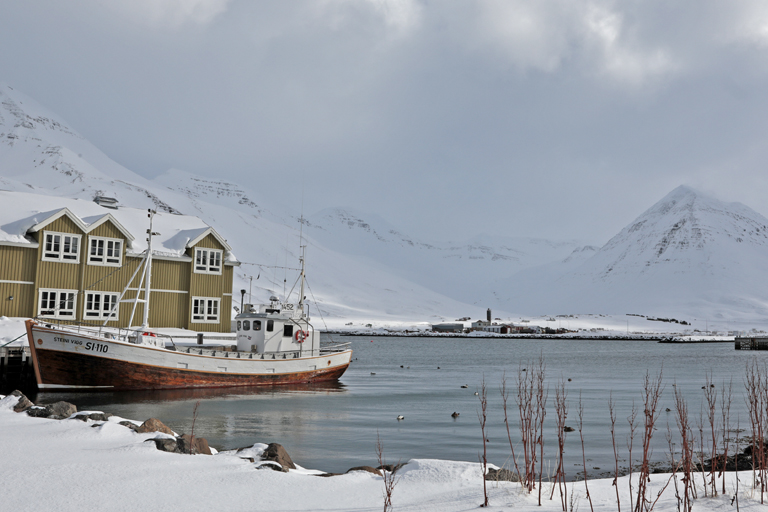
[107, 399]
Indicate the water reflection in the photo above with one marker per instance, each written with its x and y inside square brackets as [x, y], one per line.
[89, 399]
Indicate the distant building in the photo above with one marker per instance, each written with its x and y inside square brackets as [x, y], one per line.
[70, 259]
[485, 326]
[448, 328]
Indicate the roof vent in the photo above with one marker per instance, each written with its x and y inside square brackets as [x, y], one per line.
[106, 202]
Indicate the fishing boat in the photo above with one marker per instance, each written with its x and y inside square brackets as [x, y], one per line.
[275, 345]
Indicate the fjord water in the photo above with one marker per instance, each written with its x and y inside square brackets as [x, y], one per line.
[334, 427]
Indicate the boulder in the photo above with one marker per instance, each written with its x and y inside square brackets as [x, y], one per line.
[274, 466]
[196, 446]
[61, 410]
[23, 404]
[38, 412]
[129, 424]
[275, 452]
[369, 469]
[94, 416]
[57, 411]
[392, 468]
[166, 444]
[154, 425]
[501, 475]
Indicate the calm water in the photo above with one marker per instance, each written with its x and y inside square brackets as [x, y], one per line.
[334, 427]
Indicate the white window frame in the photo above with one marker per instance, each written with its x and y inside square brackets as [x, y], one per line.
[107, 245]
[58, 242]
[59, 312]
[208, 261]
[97, 305]
[206, 316]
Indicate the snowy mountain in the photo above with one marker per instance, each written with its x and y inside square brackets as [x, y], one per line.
[688, 254]
[41, 154]
[465, 271]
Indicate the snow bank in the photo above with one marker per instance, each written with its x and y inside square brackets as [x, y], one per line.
[75, 465]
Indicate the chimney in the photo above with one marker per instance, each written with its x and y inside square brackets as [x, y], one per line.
[489, 315]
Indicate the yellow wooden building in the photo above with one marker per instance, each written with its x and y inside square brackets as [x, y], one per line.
[72, 262]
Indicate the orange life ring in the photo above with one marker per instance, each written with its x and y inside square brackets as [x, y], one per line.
[301, 336]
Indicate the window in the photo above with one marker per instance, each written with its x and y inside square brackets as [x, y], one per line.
[105, 251]
[288, 330]
[205, 310]
[99, 304]
[61, 247]
[246, 325]
[270, 325]
[207, 261]
[57, 304]
[257, 325]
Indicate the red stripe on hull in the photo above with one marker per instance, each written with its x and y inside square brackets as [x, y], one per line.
[77, 369]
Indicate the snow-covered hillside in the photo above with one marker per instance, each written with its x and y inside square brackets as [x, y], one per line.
[688, 254]
[464, 270]
[41, 154]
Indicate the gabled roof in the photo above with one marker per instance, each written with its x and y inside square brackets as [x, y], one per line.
[109, 217]
[209, 231]
[21, 215]
[56, 215]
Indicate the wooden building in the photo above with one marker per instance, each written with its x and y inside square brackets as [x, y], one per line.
[72, 263]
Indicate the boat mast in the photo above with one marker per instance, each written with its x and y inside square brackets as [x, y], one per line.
[301, 260]
[145, 323]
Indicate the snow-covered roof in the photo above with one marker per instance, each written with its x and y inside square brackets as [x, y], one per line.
[23, 213]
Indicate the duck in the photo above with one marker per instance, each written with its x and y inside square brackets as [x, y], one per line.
[464, 386]
[455, 415]
[401, 417]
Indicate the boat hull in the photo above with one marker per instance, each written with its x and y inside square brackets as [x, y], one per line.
[64, 360]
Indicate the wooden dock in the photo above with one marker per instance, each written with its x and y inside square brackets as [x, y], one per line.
[751, 343]
[16, 370]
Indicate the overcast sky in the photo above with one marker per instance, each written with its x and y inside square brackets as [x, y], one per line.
[554, 118]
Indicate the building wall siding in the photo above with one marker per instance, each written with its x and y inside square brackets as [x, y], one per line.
[23, 299]
[17, 263]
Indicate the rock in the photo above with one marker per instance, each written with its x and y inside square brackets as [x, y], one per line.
[38, 412]
[23, 404]
[165, 444]
[57, 411]
[274, 466]
[99, 416]
[199, 445]
[94, 416]
[129, 424]
[61, 410]
[501, 475]
[154, 425]
[275, 452]
[369, 469]
[392, 468]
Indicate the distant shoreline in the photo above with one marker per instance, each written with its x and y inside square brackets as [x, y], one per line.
[559, 337]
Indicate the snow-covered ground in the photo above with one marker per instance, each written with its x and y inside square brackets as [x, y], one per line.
[74, 465]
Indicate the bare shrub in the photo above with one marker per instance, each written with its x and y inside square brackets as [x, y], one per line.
[482, 415]
[390, 479]
[652, 389]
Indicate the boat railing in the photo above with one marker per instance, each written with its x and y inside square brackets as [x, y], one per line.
[329, 348]
[110, 333]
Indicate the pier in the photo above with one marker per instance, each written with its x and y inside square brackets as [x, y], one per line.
[16, 370]
[751, 343]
